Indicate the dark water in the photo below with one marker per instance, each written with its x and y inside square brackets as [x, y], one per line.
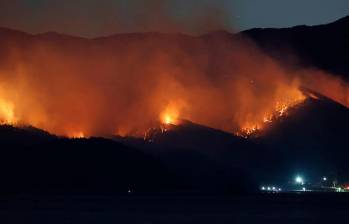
[282, 208]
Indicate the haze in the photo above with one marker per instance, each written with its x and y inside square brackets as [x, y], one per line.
[92, 18]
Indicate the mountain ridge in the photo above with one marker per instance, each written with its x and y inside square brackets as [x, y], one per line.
[341, 21]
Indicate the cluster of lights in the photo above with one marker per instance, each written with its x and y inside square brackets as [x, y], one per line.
[300, 184]
[271, 189]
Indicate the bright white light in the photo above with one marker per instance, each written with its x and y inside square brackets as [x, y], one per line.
[263, 188]
[269, 188]
[274, 188]
[279, 189]
[324, 178]
[303, 189]
[299, 180]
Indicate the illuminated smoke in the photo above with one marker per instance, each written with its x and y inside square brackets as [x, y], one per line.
[329, 85]
[128, 84]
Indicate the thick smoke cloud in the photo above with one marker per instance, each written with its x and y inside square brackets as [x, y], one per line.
[123, 85]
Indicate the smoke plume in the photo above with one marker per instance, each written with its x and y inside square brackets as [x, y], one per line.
[126, 84]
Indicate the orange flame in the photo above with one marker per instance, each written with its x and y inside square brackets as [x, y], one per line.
[97, 91]
[170, 115]
[7, 115]
[292, 98]
[77, 135]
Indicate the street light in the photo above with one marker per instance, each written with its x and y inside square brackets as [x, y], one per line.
[299, 180]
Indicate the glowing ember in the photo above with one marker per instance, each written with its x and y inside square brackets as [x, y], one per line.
[268, 119]
[246, 131]
[7, 115]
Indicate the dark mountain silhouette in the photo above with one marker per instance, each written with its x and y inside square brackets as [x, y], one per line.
[185, 158]
[323, 46]
[310, 139]
[34, 161]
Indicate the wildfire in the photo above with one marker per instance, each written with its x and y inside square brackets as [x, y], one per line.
[280, 109]
[168, 119]
[7, 115]
[242, 92]
[77, 135]
[248, 130]
[170, 115]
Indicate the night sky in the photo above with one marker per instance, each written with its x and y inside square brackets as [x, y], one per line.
[93, 18]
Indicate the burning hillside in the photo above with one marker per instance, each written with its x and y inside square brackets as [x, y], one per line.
[279, 110]
[127, 84]
[6, 112]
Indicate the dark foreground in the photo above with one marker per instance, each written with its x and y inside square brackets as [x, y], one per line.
[282, 208]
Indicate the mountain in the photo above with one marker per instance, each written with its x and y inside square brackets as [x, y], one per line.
[34, 161]
[188, 157]
[206, 158]
[323, 46]
[310, 139]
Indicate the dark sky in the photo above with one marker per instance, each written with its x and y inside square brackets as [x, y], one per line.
[103, 17]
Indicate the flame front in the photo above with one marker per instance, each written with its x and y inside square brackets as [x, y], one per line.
[171, 115]
[290, 98]
[168, 119]
[77, 135]
[7, 115]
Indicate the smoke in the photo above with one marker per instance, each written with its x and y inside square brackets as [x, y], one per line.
[125, 85]
[105, 17]
[329, 85]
